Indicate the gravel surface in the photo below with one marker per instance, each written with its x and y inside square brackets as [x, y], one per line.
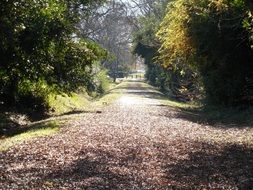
[136, 143]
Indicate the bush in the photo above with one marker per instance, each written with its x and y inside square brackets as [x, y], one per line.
[223, 43]
[38, 52]
[213, 37]
[103, 82]
[34, 95]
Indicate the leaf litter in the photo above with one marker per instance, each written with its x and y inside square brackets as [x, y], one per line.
[132, 146]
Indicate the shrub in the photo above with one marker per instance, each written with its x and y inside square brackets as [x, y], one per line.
[214, 38]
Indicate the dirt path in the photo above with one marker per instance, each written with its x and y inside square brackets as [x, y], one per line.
[136, 143]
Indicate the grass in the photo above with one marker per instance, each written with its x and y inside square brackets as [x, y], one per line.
[64, 103]
[61, 105]
[32, 132]
[227, 115]
[167, 101]
[115, 92]
[212, 115]
[180, 105]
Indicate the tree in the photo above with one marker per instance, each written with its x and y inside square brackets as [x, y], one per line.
[110, 26]
[146, 43]
[214, 37]
[38, 50]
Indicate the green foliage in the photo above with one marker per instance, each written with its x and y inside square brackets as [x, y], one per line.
[147, 44]
[248, 22]
[214, 37]
[176, 48]
[34, 94]
[63, 103]
[102, 81]
[149, 53]
[176, 79]
[38, 50]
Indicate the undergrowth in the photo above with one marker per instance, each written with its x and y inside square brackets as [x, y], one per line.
[30, 132]
[12, 132]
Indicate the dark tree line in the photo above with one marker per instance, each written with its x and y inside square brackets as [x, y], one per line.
[192, 48]
[201, 47]
[41, 50]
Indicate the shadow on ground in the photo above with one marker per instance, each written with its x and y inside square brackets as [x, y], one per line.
[207, 167]
[218, 117]
[14, 129]
[214, 116]
[214, 168]
[96, 172]
[138, 88]
[7, 126]
[15, 120]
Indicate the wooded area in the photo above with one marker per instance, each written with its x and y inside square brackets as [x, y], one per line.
[126, 94]
[200, 47]
[53, 47]
[194, 48]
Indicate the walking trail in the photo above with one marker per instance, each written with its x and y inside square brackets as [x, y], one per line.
[136, 143]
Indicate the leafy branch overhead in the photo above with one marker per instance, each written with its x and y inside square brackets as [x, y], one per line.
[202, 47]
[38, 43]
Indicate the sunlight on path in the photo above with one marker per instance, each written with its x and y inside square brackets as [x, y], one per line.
[128, 100]
[136, 95]
[136, 143]
[134, 100]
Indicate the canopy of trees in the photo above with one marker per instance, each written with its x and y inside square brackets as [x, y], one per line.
[111, 26]
[191, 47]
[41, 51]
[213, 37]
[146, 43]
[177, 82]
[205, 42]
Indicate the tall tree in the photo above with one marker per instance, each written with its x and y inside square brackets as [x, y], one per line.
[111, 27]
[37, 47]
[214, 37]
